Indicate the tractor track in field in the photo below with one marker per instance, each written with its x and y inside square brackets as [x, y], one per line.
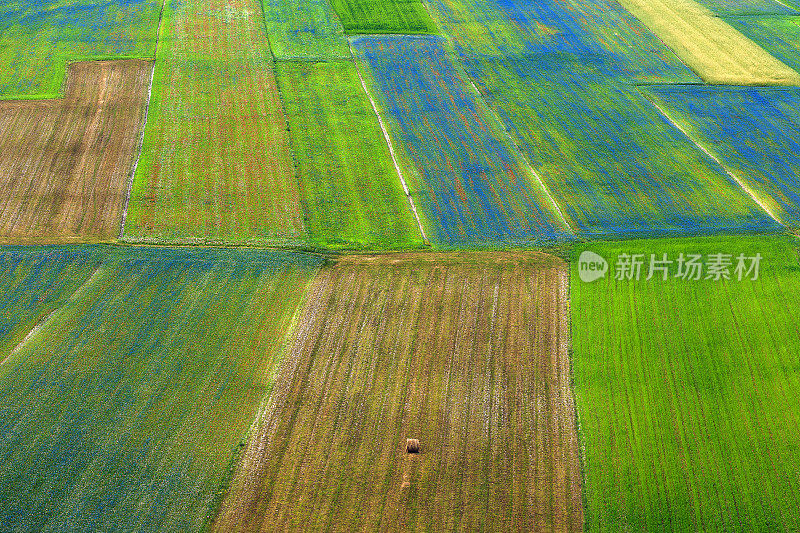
[391, 150]
[724, 167]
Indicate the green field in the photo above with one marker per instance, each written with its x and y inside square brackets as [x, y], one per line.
[304, 30]
[216, 165]
[125, 409]
[384, 16]
[350, 190]
[687, 392]
[37, 39]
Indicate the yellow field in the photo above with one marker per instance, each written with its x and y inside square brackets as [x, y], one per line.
[710, 46]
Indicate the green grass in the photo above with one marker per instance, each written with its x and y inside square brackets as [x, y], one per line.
[350, 191]
[127, 406]
[37, 39]
[687, 393]
[383, 16]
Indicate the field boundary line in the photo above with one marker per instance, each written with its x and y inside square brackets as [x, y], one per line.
[390, 145]
[730, 173]
[565, 287]
[30, 334]
[39, 325]
[784, 5]
[140, 145]
[239, 463]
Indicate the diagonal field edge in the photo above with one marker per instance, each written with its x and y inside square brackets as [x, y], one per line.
[49, 315]
[730, 173]
[523, 158]
[391, 147]
[144, 125]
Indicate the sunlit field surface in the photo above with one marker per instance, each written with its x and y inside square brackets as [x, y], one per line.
[687, 390]
[249, 248]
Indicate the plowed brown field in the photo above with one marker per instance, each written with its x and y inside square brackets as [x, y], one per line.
[65, 164]
[465, 352]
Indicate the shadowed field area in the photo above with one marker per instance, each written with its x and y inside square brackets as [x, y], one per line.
[465, 352]
[65, 163]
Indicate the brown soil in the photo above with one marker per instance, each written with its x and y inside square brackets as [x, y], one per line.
[65, 163]
[468, 354]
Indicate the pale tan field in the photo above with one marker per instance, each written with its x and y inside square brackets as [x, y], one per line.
[710, 46]
[465, 352]
[65, 163]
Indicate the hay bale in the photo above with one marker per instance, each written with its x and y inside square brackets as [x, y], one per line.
[412, 446]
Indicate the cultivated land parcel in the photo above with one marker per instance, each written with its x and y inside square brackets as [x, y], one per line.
[427, 346]
[249, 247]
[686, 392]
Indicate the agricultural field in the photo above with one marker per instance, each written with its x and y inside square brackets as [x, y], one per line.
[687, 390]
[600, 33]
[752, 130]
[125, 407]
[350, 191]
[216, 165]
[614, 164]
[65, 163]
[39, 38]
[466, 352]
[726, 8]
[780, 36]
[304, 30]
[383, 16]
[709, 45]
[250, 248]
[468, 180]
[35, 285]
